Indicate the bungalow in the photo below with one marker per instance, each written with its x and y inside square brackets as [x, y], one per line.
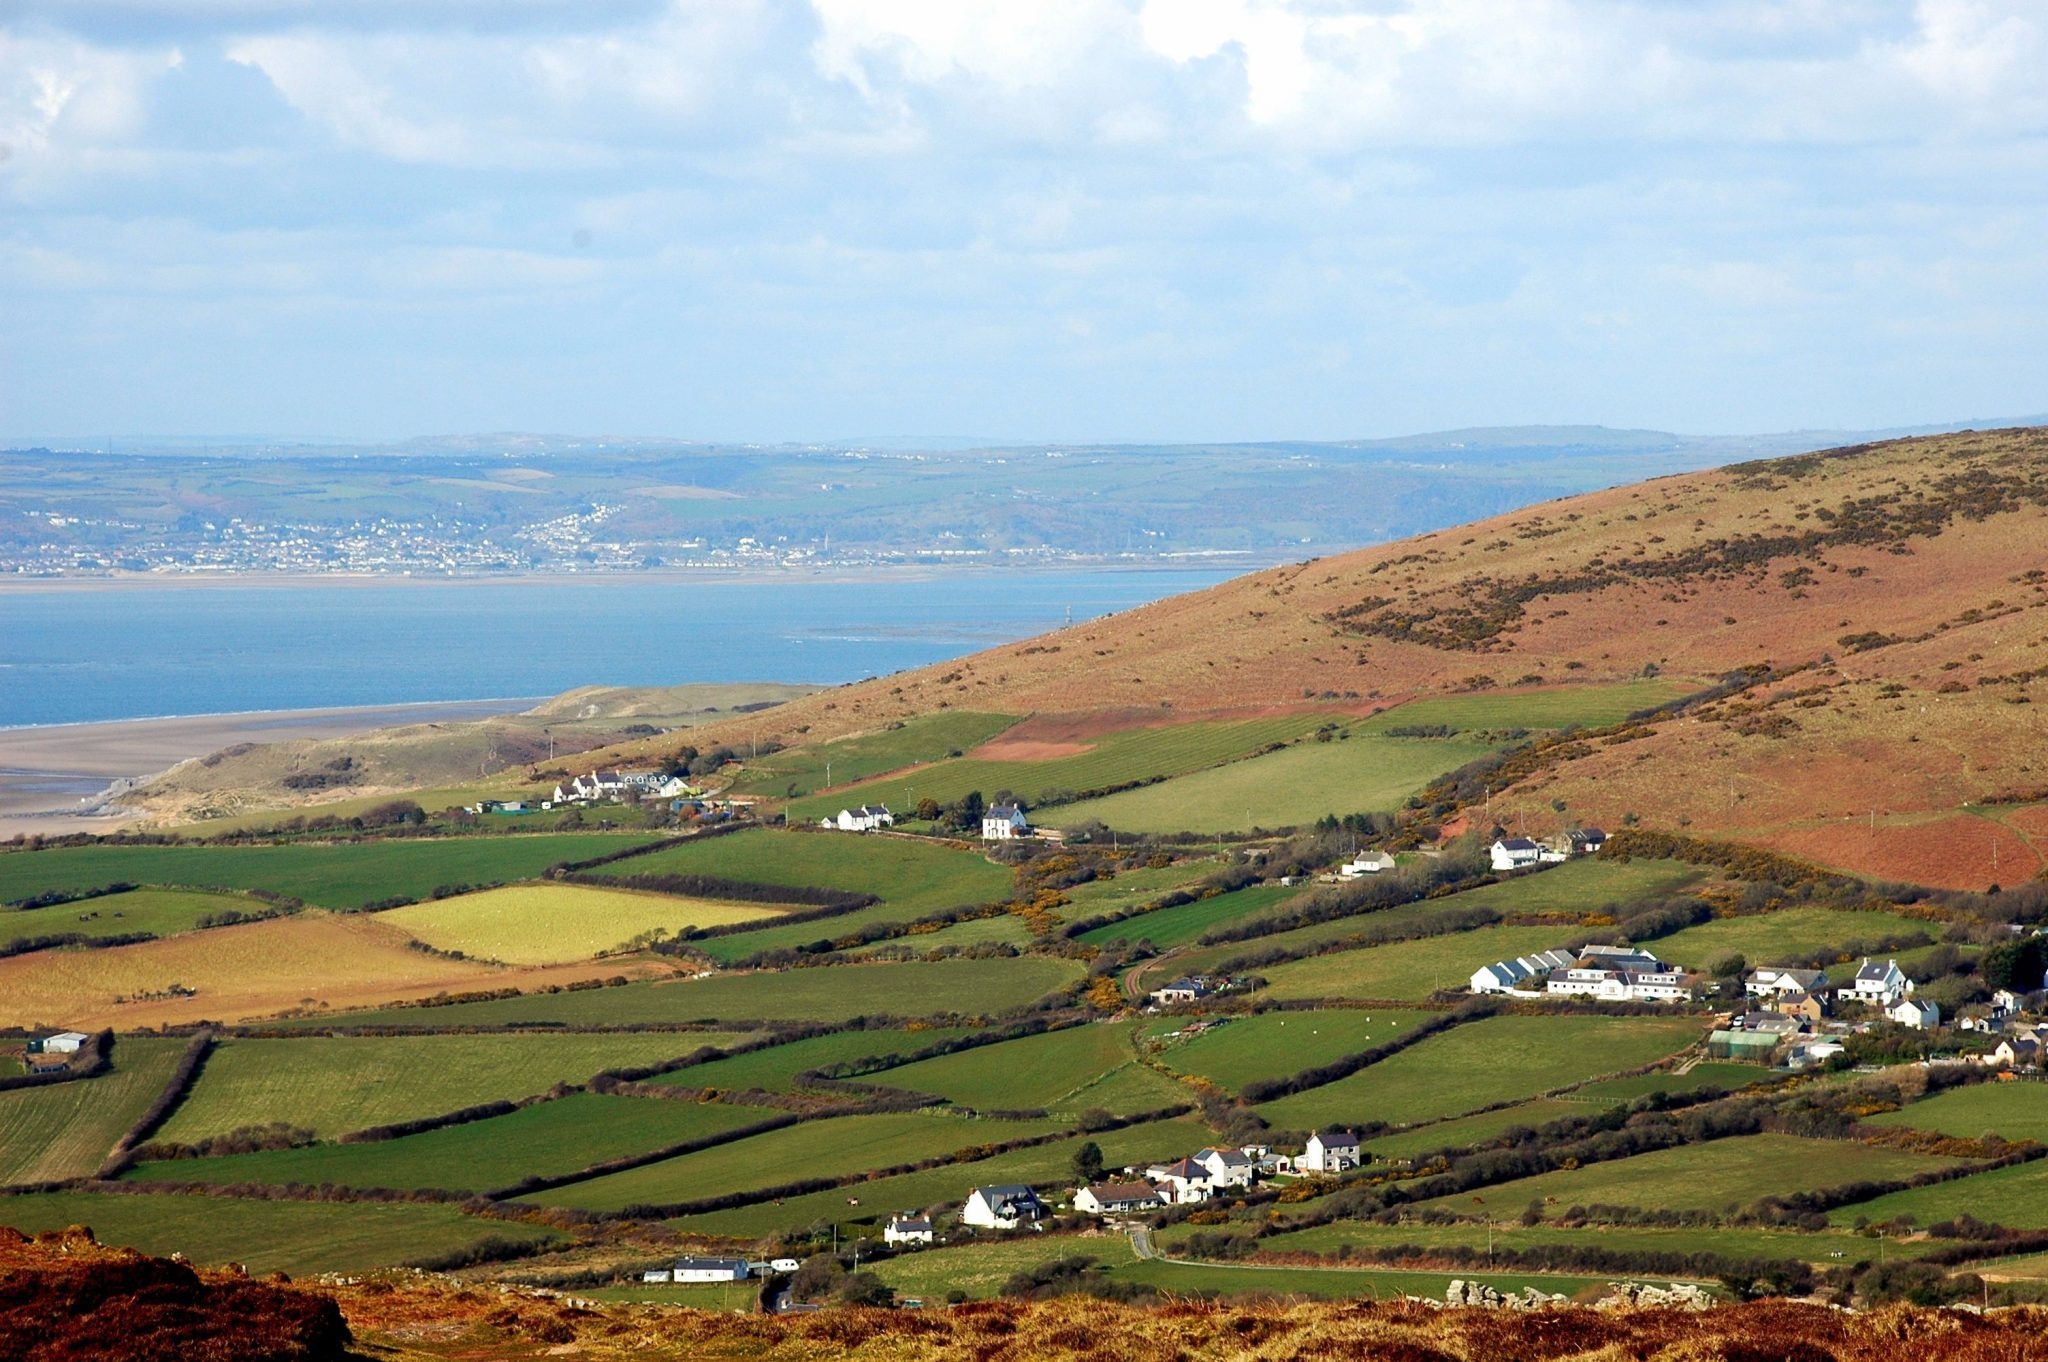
[1769, 981]
[1371, 863]
[1331, 1152]
[1004, 1207]
[1183, 1180]
[866, 818]
[1505, 975]
[1002, 822]
[1515, 853]
[1227, 1167]
[1771, 1024]
[1918, 1015]
[1119, 1198]
[710, 1270]
[1880, 985]
[907, 1229]
[1583, 841]
[1182, 990]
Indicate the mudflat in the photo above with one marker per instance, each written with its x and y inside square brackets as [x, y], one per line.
[49, 773]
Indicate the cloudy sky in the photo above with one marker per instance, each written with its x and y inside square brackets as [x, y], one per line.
[1023, 219]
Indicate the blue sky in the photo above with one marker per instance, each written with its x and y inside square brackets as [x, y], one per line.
[1057, 220]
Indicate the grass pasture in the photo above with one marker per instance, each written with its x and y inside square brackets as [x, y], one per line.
[1585, 884]
[548, 924]
[1049, 1165]
[1788, 1245]
[2016, 1111]
[547, 1138]
[1403, 969]
[66, 1130]
[1464, 1131]
[1275, 1044]
[297, 1237]
[1499, 1059]
[330, 875]
[1733, 1172]
[2015, 1196]
[931, 737]
[159, 912]
[1045, 1070]
[335, 1084]
[1115, 758]
[1764, 938]
[1706, 1074]
[1166, 927]
[1556, 707]
[1289, 788]
[828, 1148]
[775, 1069]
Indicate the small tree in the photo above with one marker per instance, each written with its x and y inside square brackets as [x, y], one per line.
[1088, 1162]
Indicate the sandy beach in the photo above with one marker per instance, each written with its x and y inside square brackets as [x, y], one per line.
[46, 772]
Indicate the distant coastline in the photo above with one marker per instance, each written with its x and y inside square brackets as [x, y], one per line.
[748, 576]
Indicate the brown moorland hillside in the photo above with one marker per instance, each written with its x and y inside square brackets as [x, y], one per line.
[64, 1297]
[1891, 595]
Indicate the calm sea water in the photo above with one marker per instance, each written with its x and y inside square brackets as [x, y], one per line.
[78, 656]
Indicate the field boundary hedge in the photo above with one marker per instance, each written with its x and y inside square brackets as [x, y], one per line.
[175, 1090]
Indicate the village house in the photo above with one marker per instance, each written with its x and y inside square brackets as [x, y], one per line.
[866, 818]
[1917, 1015]
[1329, 1152]
[1227, 1167]
[1769, 982]
[710, 1270]
[1771, 1024]
[594, 786]
[1119, 1198]
[1504, 976]
[1008, 1206]
[1183, 1180]
[1515, 853]
[2017, 1051]
[907, 1229]
[1002, 822]
[1879, 985]
[1580, 841]
[1187, 989]
[1811, 1007]
[2005, 1002]
[1370, 863]
[1620, 974]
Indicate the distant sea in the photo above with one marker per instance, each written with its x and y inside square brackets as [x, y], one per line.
[131, 651]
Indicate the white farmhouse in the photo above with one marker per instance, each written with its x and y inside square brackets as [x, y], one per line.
[1880, 985]
[710, 1270]
[1371, 863]
[1183, 1180]
[1005, 1207]
[1329, 1152]
[1227, 1167]
[1002, 822]
[1918, 1015]
[866, 818]
[907, 1229]
[1515, 853]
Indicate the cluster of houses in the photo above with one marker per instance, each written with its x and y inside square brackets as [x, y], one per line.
[1615, 974]
[1519, 853]
[866, 818]
[999, 822]
[1789, 1010]
[611, 786]
[697, 1270]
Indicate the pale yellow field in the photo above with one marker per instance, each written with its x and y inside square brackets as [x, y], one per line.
[313, 959]
[548, 924]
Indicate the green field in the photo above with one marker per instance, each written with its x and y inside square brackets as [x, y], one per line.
[2015, 1111]
[1561, 707]
[775, 1068]
[908, 988]
[1114, 759]
[158, 912]
[1424, 917]
[2015, 1196]
[340, 875]
[1766, 938]
[1788, 1245]
[1037, 1071]
[1177, 926]
[1404, 969]
[298, 1237]
[547, 1139]
[1707, 1074]
[1583, 885]
[333, 1085]
[66, 1130]
[546, 924]
[1005, 928]
[1129, 888]
[1289, 788]
[1276, 1044]
[1470, 1130]
[1048, 1166]
[930, 737]
[1704, 1177]
[816, 1149]
[1501, 1059]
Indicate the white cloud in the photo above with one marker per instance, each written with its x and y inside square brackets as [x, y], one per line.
[61, 98]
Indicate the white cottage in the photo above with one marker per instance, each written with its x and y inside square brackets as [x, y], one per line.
[1006, 1207]
[1329, 1152]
